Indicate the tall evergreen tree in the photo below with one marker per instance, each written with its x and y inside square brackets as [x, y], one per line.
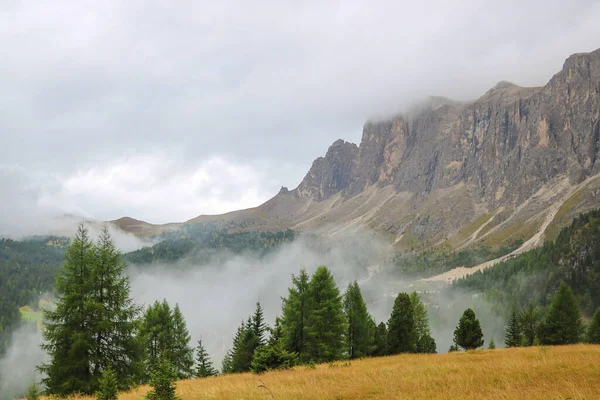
[402, 336]
[468, 334]
[326, 324]
[360, 335]
[425, 342]
[183, 354]
[244, 344]
[529, 321]
[295, 315]
[381, 340]
[93, 324]
[593, 331]
[226, 367]
[512, 335]
[563, 320]
[204, 367]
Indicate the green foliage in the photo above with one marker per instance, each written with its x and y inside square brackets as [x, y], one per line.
[162, 381]
[204, 366]
[108, 386]
[402, 337]
[563, 320]
[468, 334]
[453, 348]
[534, 276]
[295, 315]
[492, 344]
[272, 357]
[381, 340]
[165, 336]
[258, 325]
[360, 332]
[226, 367]
[33, 393]
[93, 324]
[593, 331]
[529, 321]
[425, 342]
[325, 324]
[512, 336]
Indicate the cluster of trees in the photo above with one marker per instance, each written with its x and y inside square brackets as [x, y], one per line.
[196, 243]
[533, 277]
[318, 324]
[96, 337]
[562, 323]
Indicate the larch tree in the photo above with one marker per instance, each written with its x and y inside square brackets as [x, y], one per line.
[425, 342]
[359, 335]
[295, 314]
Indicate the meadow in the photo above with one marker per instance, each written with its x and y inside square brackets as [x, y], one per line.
[563, 372]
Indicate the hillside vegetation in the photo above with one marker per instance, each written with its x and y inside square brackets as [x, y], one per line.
[565, 372]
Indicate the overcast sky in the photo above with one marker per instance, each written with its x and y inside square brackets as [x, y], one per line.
[164, 110]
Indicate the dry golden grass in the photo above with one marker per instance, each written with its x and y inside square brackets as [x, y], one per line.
[568, 372]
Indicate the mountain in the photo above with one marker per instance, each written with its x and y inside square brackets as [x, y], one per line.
[513, 166]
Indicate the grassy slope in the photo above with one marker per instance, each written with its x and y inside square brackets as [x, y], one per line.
[571, 372]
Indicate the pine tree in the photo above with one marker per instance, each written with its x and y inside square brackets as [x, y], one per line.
[492, 344]
[33, 393]
[204, 367]
[258, 325]
[183, 354]
[402, 337]
[529, 320]
[295, 315]
[381, 340]
[563, 320]
[512, 336]
[108, 386]
[93, 324]
[162, 379]
[359, 334]
[226, 367]
[425, 342]
[326, 324]
[468, 334]
[244, 344]
[593, 332]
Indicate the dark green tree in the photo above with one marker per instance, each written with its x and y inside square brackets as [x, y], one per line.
[593, 331]
[512, 335]
[183, 354]
[468, 334]
[272, 357]
[325, 325]
[381, 340]
[244, 344]
[162, 381]
[529, 321]
[402, 337]
[108, 388]
[359, 335]
[425, 342]
[295, 315]
[563, 320]
[204, 367]
[93, 323]
[226, 367]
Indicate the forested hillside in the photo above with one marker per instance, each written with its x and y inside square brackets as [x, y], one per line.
[533, 277]
[27, 269]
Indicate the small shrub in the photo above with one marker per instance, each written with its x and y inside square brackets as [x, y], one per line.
[162, 381]
[108, 389]
[311, 365]
[33, 393]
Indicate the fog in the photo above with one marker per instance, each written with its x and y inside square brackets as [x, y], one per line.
[215, 298]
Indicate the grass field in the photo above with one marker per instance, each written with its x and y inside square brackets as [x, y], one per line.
[568, 372]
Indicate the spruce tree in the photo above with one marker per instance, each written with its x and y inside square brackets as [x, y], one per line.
[108, 387]
[492, 344]
[226, 367]
[402, 337]
[359, 335]
[512, 336]
[563, 320]
[204, 367]
[593, 331]
[162, 381]
[425, 342]
[381, 340]
[326, 324]
[468, 334]
[295, 315]
[93, 324]
[183, 354]
[244, 344]
[529, 320]
[258, 325]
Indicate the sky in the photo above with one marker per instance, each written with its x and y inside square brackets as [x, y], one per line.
[163, 111]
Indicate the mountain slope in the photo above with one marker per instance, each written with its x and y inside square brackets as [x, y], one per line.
[513, 165]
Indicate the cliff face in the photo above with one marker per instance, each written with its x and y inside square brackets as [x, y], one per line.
[515, 164]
